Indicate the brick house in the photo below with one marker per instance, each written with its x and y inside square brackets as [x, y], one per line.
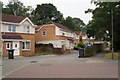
[56, 34]
[18, 33]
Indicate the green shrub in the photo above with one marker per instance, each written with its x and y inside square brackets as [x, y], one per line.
[81, 45]
[90, 51]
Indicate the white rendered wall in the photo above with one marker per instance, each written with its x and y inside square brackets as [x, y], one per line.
[19, 28]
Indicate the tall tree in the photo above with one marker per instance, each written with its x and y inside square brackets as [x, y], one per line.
[75, 24]
[1, 6]
[45, 13]
[16, 8]
[101, 21]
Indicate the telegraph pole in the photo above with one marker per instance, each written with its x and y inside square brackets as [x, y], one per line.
[112, 33]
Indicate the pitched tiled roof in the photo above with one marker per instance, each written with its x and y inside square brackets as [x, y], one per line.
[11, 36]
[37, 27]
[12, 18]
[60, 26]
[76, 32]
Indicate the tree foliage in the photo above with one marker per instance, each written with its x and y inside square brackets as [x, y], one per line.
[16, 8]
[74, 24]
[101, 21]
[42, 14]
[46, 13]
[1, 6]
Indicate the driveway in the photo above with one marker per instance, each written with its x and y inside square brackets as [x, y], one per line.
[64, 66]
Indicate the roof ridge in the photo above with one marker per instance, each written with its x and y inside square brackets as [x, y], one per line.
[13, 15]
[59, 25]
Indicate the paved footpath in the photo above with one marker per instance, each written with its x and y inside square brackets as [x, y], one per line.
[64, 66]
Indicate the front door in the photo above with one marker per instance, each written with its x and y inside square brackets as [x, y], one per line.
[16, 47]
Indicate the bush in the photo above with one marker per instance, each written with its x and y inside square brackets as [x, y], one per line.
[90, 51]
[81, 45]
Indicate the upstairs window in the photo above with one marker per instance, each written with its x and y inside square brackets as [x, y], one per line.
[26, 29]
[11, 28]
[44, 33]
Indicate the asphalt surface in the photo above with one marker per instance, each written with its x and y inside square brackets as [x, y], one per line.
[64, 66]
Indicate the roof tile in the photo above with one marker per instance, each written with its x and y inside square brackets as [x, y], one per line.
[12, 18]
[60, 26]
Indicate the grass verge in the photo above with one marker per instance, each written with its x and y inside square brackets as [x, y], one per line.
[109, 55]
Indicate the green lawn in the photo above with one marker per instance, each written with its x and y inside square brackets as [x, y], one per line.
[109, 55]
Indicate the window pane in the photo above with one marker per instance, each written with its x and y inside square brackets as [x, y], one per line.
[13, 28]
[9, 28]
[8, 45]
[15, 45]
[44, 33]
[23, 45]
[26, 29]
[27, 45]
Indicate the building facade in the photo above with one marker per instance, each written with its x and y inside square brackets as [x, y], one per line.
[56, 34]
[18, 33]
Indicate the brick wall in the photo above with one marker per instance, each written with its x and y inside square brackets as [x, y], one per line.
[50, 34]
[32, 46]
[26, 37]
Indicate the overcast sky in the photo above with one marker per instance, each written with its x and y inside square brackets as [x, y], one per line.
[73, 8]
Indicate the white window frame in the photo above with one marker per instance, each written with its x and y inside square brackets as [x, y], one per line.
[7, 45]
[43, 33]
[11, 28]
[25, 42]
[26, 29]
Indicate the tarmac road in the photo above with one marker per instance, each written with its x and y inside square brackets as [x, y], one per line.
[64, 66]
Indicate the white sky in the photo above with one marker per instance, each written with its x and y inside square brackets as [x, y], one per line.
[73, 8]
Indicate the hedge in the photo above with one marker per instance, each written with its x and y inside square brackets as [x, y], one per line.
[93, 50]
